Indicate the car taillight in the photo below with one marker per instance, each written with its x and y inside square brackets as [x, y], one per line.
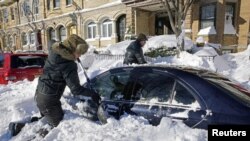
[9, 77]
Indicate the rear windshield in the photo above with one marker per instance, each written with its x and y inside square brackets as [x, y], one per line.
[1, 60]
[235, 91]
[27, 61]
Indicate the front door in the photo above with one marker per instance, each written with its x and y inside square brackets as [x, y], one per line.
[121, 27]
[162, 26]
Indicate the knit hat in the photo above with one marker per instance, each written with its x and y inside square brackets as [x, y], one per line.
[142, 37]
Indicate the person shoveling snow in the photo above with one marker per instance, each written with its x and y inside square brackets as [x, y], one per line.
[60, 70]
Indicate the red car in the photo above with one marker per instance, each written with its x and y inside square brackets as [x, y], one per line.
[16, 67]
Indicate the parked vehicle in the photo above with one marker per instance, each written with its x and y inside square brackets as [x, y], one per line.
[197, 97]
[16, 67]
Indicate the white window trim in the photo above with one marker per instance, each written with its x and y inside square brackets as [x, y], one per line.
[32, 34]
[107, 23]
[91, 26]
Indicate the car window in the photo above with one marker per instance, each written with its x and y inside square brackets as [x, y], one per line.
[182, 96]
[111, 86]
[27, 61]
[157, 87]
[233, 90]
[1, 60]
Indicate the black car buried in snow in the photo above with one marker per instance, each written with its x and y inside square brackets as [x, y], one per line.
[197, 97]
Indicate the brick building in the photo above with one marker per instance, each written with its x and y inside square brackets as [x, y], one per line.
[32, 24]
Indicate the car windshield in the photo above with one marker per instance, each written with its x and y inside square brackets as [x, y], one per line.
[27, 61]
[235, 90]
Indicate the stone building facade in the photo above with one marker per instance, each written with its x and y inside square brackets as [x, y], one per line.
[224, 22]
[32, 24]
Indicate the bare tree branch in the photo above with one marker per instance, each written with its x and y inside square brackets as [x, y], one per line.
[170, 15]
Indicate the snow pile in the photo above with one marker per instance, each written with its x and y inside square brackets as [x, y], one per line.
[208, 31]
[168, 41]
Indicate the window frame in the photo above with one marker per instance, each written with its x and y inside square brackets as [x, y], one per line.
[91, 30]
[173, 95]
[6, 15]
[26, 7]
[36, 7]
[62, 33]
[233, 4]
[12, 13]
[68, 2]
[105, 32]
[24, 39]
[201, 20]
[56, 4]
[52, 34]
[48, 4]
[32, 38]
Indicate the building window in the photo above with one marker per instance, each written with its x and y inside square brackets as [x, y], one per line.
[72, 29]
[12, 13]
[24, 39]
[6, 40]
[1, 16]
[68, 2]
[32, 38]
[26, 8]
[36, 6]
[21, 9]
[230, 12]
[91, 30]
[5, 15]
[52, 34]
[208, 17]
[62, 33]
[107, 28]
[56, 3]
[11, 41]
[48, 4]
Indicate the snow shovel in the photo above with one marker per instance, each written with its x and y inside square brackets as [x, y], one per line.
[101, 113]
[90, 107]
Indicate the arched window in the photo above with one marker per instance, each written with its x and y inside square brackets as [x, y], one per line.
[91, 30]
[36, 7]
[11, 41]
[24, 39]
[6, 41]
[107, 28]
[32, 38]
[52, 34]
[62, 33]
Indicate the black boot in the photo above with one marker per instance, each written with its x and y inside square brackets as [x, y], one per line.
[43, 132]
[15, 128]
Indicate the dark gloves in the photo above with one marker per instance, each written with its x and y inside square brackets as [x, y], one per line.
[94, 96]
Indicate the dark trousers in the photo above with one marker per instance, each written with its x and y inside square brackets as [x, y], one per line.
[50, 107]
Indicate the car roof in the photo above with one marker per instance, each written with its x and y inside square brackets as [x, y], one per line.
[204, 73]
